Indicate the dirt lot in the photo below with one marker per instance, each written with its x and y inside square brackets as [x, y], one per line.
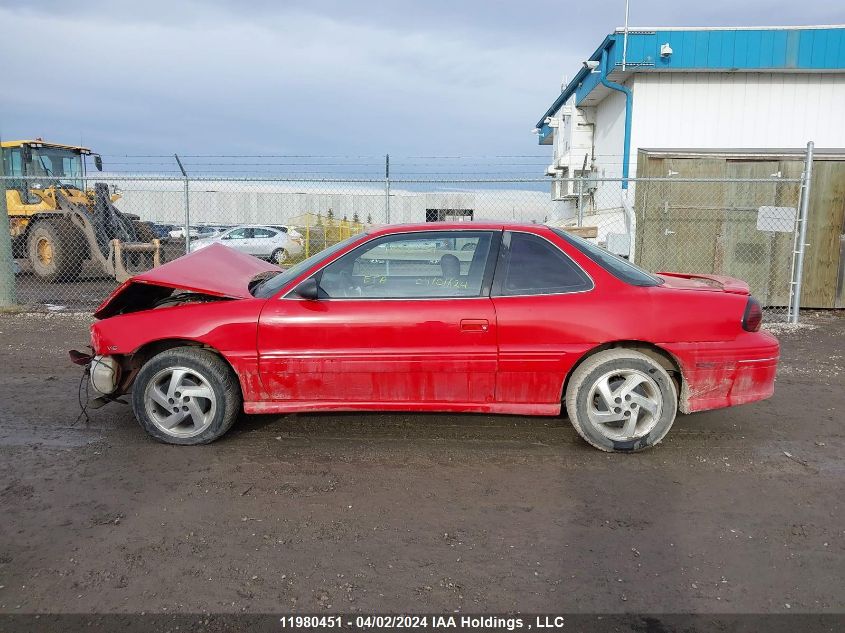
[738, 510]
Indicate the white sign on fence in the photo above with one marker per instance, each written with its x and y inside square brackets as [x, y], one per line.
[778, 219]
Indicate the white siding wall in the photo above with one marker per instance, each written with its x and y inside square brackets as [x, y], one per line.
[720, 111]
[605, 210]
[737, 110]
[709, 111]
[233, 202]
[610, 134]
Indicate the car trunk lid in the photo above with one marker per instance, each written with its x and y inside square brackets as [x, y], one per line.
[712, 283]
[215, 270]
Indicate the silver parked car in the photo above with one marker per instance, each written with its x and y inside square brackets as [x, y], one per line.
[275, 243]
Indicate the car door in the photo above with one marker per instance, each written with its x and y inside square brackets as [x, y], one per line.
[391, 327]
[542, 303]
[237, 238]
[264, 241]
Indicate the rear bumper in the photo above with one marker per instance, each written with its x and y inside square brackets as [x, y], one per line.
[725, 374]
[294, 247]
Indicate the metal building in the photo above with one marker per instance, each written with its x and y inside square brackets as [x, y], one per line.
[731, 87]
[693, 105]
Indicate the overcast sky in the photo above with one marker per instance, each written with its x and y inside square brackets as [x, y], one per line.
[321, 77]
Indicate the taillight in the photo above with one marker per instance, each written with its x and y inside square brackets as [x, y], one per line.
[753, 316]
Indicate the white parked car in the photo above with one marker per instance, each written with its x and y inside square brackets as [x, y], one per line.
[275, 243]
[196, 232]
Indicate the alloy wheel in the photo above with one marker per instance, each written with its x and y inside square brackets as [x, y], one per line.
[624, 404]
[180, 401]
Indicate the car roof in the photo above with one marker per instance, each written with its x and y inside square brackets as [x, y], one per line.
[255, 226]
[465, 226]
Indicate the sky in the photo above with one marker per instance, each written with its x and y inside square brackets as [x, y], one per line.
[431, 77]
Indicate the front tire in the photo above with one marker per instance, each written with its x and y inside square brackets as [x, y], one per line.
[620, 400]
[186, 396]
[56, 250]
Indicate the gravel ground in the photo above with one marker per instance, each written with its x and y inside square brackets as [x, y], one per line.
[738, 511]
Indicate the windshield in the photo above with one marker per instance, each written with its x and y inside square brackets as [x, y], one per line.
[51, 164]
[271, 286]
[620, 268]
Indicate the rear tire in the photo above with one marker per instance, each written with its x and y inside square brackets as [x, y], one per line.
[279, 256]
[56, 250]
[620, 400]
[186, 396]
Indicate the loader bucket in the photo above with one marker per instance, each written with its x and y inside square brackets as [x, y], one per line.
[117, 257]
[102, 227]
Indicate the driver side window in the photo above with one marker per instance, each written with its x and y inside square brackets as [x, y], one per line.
[430, 264]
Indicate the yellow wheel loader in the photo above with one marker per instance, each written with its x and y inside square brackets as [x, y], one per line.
[58, 223]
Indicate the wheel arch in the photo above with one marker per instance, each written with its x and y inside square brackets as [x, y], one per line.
[663, 357]
[40, 216]
[33, 220]
[138, 358]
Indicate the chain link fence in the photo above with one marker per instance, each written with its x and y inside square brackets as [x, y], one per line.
[743, 228]
[73, 240]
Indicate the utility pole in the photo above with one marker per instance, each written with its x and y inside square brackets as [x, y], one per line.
[7, 262]
[387, 188]
[187, 206]
[625, 39]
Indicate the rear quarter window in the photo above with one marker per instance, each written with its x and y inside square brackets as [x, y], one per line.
[532, 265]
[620, 268]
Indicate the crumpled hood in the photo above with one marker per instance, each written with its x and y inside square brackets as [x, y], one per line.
[214, 270]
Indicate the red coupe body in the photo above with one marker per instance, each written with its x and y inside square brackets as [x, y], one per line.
[501, 352]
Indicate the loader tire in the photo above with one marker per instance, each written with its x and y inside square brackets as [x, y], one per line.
[56, 250]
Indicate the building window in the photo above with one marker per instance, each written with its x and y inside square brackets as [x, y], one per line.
[449, 215]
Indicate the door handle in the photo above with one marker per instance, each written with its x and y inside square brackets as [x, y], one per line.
[474, 325]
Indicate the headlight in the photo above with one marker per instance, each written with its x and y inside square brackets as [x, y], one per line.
[105, 373]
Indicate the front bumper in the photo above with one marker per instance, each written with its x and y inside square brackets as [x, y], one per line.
[723, 374]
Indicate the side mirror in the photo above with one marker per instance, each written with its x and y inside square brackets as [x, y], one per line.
[308, 289]
[98, 162]
[26, 155]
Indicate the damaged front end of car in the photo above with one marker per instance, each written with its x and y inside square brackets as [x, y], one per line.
[148, 312]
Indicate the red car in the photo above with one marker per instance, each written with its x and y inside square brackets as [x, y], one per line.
[481, 317]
